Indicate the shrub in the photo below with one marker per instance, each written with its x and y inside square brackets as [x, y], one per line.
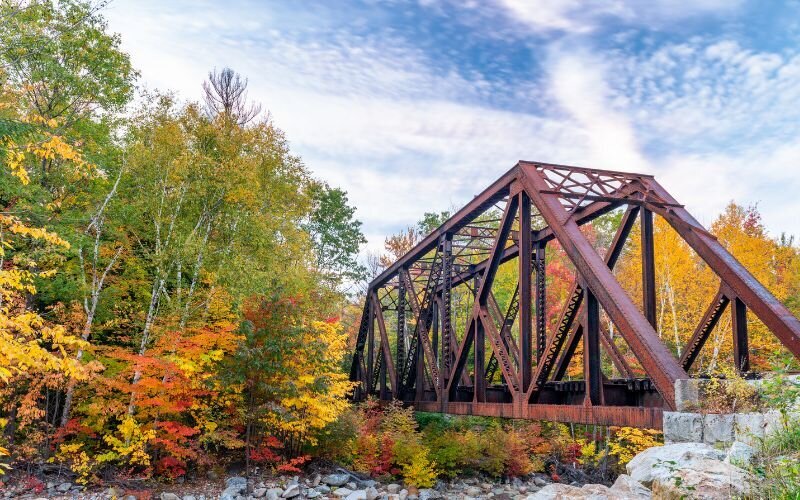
[455, 452]
[588, 454]
[420, 471]
[729, 393]
[518, 457]
[781, 393]
[494, 453]
[366, 453]
[389, 443]
[539, 444]
[337, 441]
[126, 448]
[627, 442]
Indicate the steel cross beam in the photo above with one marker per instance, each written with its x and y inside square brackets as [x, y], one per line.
[707, 324]
[388, 363]
[506, 323]
[471, 245]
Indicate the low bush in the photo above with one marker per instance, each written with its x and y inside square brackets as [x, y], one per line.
[728, 392]
[392, 442]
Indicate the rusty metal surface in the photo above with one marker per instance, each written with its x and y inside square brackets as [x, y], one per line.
[628, 416]
[529, 206]
[707, 324]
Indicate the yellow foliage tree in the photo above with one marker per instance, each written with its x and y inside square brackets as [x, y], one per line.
[34, 353]
[319, 391]
[685, 284]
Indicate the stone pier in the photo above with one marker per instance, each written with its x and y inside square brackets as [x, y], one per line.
[688, 424]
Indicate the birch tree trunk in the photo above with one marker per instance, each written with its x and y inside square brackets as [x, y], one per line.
[162, 247]
[98, 281]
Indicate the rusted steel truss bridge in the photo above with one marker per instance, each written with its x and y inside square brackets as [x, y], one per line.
[521, 375]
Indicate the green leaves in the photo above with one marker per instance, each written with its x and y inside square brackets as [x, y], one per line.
[335, 234]
[60, 54]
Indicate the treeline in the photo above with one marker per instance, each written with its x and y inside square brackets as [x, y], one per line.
[171, 275]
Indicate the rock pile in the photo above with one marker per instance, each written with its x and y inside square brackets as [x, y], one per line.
[679, 470]
[345, 486]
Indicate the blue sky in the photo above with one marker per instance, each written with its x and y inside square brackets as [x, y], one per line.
[417, 105]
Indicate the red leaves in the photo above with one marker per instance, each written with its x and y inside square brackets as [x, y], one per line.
[269, 451]
[572, 453]
[273, 442]
[177, 430]
[553, 474]
[385, 459]
[170, 467]
[33, 484]
[294, 464]
[73, 429]
[264, 455]
[274, 312]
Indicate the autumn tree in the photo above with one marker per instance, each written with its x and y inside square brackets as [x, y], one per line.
[289, 372]
[685, 284]
[66, 96]
[130, 245]
[35, 354]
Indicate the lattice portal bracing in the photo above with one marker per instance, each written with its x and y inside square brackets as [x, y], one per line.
[433, 333]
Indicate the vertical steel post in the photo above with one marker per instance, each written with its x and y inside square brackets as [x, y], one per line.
[541, 300]
[371, 348]
[480, 361]
[741, 354]
[401, 331]
[592, 372]
[525, 293]
[435, 329]
[447, 289]
[420, 378]
[648, 268]
[384, 393]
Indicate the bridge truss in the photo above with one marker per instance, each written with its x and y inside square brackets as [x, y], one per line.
[408, 347]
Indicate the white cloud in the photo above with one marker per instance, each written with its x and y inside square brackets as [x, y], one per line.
[699, 95]
[767, 177]
[724, 121]
[578, 82]
[585, 16]
[373, 115]
[369, 114]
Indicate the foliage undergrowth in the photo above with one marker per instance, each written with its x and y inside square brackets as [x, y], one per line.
[392, 442]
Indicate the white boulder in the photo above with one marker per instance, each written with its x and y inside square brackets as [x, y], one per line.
[705, 479]
[660, 462]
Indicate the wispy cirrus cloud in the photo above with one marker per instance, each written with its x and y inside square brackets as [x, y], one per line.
[584, 17]
[416, 106]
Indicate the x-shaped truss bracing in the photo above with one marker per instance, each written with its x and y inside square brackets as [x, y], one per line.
[434, 354]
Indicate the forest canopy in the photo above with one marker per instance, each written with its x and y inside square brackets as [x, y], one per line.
[171, 274]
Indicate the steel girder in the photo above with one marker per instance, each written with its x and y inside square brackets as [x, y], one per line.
[515, 218]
